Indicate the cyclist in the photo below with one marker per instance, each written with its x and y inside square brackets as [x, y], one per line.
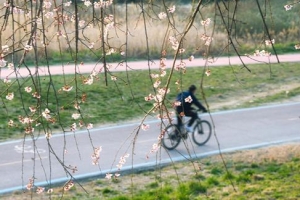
[184, 102]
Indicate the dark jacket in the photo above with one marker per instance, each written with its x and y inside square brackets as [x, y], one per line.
[188, 105]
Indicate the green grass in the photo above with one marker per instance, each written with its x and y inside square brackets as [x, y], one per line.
[123, 99]
[271, 180]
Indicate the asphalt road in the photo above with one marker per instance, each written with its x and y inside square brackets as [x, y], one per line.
[235, 130]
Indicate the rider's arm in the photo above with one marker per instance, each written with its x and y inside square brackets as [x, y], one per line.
[197, 103]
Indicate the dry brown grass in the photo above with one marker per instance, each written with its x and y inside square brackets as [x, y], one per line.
[279, 153]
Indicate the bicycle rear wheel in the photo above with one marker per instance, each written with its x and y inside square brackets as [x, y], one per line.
[171, 138]
[202, 132]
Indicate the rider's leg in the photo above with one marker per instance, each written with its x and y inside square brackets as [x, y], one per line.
[179, 117]
[193, 116]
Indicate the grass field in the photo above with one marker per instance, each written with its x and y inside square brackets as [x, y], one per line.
[123, 99]
[266, 173]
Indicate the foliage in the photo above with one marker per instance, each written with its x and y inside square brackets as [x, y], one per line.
[71, 33]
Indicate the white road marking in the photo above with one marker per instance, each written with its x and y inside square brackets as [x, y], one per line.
[28, 149]
[17, 162]
[292, 119]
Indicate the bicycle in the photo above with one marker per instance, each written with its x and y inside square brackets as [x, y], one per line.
[174, 134]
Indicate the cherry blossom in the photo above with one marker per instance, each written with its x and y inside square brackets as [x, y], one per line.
[269, 42]
[163, 73]
[154, 75]
[10, 123]
[29, 130]
[73, 127]
[81, 23]
[60, 34]
[149, 97]
[28, 89]
[81, 123]
[68, 185]
[36, 95]
[191, 58]
[162, 63]
[206, 22]
[155, 147]
[75, 115]
[89, 80]
[122, 161]
[5, 48]
[10, 66]
[177, 103]
[91, 45]
[163, 91]
[113, 78]
[181, 50]
[49, 15]
[47, 4]
[261, 53]
[156, 83]
[30, 185]
[25, 120]
[145, 127]
[288, 7]
[67, 88]
[6, 4]
[108, 176]
[46, 114]
[172, 9]
[48, 135]
[89, 126]
[10, 96]
[50, 190]
[40, 190]
[207, 39]
[32, 109]
[28, 47]
[162, 15]
[76, 106]
[208, 72]
[116, 175]
[96, 155]
[6, 80]
[67, 4]
[2, 62]
[181, 65]
[174, 42]
[87, 3]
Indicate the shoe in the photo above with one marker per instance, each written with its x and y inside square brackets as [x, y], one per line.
[188, 128]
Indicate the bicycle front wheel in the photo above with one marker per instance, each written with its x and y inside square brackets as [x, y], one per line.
[202, 132]
[171, 138]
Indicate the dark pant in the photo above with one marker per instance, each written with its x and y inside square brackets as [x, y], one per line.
[189, 113]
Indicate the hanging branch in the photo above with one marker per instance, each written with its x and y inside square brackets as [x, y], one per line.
[230, 38]
[267, 30]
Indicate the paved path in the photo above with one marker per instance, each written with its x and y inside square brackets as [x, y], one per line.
[88, 68]
[235, 129]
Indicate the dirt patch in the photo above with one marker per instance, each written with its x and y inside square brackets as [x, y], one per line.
[278, 153]
[234, 100]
